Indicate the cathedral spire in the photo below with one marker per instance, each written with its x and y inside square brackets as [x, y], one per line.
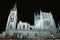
[15, 7]
[12, 19]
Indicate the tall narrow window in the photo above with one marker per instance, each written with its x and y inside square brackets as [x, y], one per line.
[35, 34]
[19, 35]
[23, 26]
[27, 26]
[10, 26]
[11, 19]
[27, 34]
[20, 26]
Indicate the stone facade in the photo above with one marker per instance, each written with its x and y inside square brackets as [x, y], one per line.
[44, 25]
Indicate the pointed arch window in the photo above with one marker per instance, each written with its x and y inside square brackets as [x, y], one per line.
[20, 26]
[27, 34]
[11, 19]
[10, 26]
[35, 34]
[27, 26]
[23, 26]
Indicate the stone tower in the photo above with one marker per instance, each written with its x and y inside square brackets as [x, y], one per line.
[37, 20]
[11, 22]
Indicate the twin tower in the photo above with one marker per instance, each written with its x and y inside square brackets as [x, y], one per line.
[43, 22]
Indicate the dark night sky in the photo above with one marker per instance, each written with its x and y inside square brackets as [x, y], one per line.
[26, 10]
